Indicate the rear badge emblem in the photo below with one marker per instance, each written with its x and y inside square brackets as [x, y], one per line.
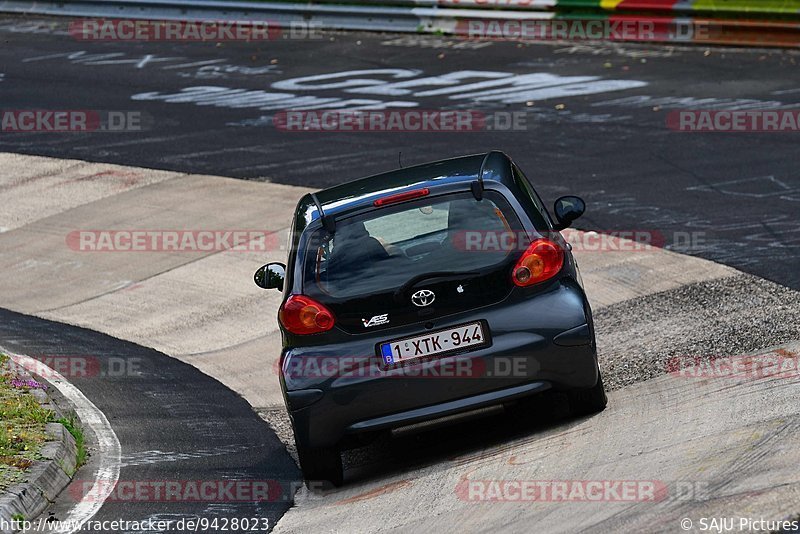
[376, 321]
[460, 289]
[423, 297]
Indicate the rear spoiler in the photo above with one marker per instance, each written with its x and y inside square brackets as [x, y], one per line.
[477, 186]
[327, 220]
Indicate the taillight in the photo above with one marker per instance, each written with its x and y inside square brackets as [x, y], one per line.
[541, 261]
[303, 315]
[401, 197]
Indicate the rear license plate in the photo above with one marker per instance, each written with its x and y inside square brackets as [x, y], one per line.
[459, 337]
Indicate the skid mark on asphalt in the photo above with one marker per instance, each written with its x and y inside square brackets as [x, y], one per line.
[30, 179]
[547, 445]
[377, 492]
[130, 179]
[757, 187]
[156, 456]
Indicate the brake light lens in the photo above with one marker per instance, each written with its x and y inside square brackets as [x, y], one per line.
[401, 197]
[541, 261]
[303, 315]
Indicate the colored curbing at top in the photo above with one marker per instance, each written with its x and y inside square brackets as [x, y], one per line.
[728, 22]
[728, 7]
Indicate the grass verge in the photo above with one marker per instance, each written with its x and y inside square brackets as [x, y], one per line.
[77, 432]
[22, 424]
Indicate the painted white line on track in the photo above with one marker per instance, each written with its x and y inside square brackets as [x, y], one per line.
[110, 451]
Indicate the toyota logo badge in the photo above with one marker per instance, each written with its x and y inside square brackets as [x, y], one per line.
[423, 297]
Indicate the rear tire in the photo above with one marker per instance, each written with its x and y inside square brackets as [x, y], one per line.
[321, 464]
[589, 401]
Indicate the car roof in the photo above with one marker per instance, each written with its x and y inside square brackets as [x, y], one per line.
[359, 193]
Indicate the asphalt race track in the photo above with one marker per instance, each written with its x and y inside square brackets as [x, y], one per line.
[729, 436]
[174, 423]
[729, 197]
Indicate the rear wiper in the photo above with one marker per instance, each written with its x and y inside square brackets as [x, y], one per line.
[402, 290]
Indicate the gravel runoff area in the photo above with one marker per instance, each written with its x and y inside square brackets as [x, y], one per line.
[724, 317]
[636, 338]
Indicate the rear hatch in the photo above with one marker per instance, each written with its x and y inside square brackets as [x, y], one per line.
[415, 261]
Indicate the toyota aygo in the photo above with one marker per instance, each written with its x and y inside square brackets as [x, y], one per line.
[423, 296]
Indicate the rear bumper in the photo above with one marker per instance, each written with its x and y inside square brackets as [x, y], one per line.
[536, 344]
[445, 409]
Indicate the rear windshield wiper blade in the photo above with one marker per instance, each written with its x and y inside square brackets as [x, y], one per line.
[402, 290]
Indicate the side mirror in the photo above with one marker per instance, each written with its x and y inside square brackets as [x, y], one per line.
[270, 276]
[567, 209]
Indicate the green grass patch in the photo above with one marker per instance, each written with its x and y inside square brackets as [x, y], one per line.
[22, 425]
[77, 433]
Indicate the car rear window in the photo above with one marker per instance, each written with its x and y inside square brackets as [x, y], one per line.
[381, 250]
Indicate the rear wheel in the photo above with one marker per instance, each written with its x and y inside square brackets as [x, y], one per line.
[321, 464]
[589, 401]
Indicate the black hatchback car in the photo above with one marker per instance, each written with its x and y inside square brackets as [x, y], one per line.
[423, 296]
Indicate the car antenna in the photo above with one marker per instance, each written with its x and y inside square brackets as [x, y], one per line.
[399, 161]
[327, 220]
[477, 185]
